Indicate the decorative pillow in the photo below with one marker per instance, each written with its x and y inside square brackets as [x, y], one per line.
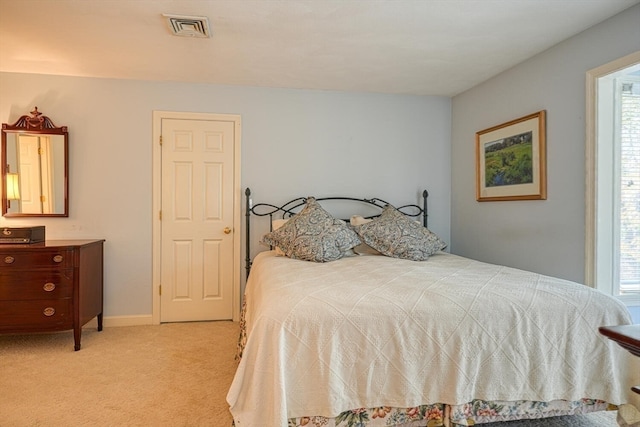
[275, 224]
[362, 248]
[313, 235]
[359, 220]
[395, 235]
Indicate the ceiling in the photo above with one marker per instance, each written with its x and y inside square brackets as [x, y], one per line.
[421, 47]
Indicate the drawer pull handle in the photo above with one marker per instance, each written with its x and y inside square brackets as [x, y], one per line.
[58, 258]
[49, 311]
[9, 260]
[49, 286]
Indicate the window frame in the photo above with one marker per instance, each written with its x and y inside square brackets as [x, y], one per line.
[595, 196]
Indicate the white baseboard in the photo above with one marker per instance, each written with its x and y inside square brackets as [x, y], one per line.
[112, 321]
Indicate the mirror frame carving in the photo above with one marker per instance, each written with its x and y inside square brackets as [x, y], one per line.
[39, 125]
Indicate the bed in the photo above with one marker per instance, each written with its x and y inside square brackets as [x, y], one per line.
[388, 329]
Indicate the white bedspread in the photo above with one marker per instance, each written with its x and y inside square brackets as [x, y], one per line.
[370, 331]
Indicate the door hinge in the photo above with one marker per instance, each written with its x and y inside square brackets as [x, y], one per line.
[160, 290]
[160, 215]
[160, 139]
[40, 151]
[43, 199]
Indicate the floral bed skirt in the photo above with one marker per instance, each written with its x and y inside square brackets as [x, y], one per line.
[384, 416]
[480, 412]
[440, 415]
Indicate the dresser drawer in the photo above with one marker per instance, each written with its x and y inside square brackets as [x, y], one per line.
[50, 258]
[42, 314]
[29, 285]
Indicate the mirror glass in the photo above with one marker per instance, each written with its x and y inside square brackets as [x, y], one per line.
[34, 169]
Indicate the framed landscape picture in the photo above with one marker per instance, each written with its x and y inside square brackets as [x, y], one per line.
[511, 160]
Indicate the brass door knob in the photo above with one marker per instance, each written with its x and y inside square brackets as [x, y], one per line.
[227, 230]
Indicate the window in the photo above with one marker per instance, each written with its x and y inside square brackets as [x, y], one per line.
[627, 186]
[613, 179]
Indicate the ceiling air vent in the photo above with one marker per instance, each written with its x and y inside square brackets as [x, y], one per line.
[188, 26]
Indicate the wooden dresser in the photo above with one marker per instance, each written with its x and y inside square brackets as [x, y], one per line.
[52, 286]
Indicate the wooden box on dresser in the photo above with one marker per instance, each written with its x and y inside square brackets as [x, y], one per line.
[52, 286]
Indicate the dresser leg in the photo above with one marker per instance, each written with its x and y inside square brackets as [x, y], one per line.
[100, 322]
[76, 338]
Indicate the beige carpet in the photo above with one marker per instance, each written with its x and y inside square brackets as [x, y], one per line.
[173, 375]
[169, 375]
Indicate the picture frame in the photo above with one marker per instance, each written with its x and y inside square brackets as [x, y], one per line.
[511, 160]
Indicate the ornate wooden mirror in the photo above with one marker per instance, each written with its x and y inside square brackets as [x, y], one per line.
[35, 168]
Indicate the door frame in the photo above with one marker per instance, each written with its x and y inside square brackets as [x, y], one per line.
[158, 116]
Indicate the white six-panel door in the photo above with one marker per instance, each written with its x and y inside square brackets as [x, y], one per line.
[197, 219]
[29, 168]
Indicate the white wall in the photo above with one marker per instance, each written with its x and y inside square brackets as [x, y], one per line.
[294, 143]
[543, 236]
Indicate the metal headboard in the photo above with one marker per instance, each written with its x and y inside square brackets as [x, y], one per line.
[290, 208]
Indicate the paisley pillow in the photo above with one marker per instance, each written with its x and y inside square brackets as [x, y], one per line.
[395, 235]
[275, 224]
[362, 248]
[313, 235]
